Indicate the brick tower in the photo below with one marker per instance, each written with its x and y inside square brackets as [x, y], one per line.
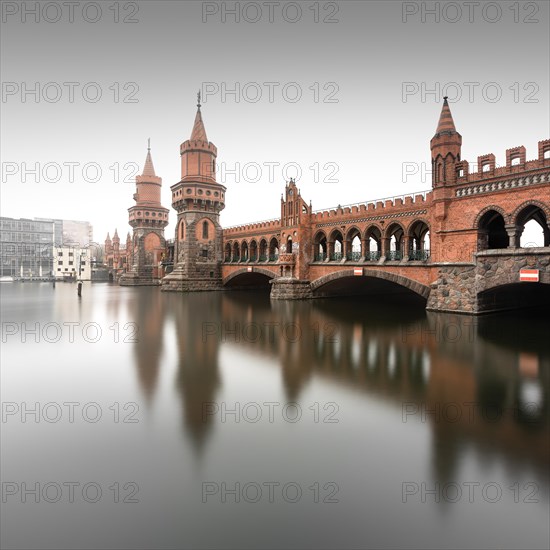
[445, 147]
[148, 219]
[198, 199]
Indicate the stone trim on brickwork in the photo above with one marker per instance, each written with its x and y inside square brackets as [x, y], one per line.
[503, 185]
[419, 288]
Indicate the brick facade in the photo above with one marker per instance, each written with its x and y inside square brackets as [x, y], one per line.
[431, 243]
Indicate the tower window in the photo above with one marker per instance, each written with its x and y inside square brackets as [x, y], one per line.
[205, 253]
[205, 230]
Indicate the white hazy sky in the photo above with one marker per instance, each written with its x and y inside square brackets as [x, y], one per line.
[353, 121]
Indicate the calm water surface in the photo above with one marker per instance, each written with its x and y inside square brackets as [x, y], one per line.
[221, 420]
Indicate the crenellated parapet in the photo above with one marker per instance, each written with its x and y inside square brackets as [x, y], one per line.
[237, 231]
[487, 167]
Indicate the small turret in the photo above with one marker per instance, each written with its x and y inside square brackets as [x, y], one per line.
[445, 147]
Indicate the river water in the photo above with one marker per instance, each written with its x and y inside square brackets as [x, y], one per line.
[133, 418]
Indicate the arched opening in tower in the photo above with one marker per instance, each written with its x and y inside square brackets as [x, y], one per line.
[491, 231]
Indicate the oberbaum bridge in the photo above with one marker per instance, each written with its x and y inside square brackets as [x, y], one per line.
[456, 248]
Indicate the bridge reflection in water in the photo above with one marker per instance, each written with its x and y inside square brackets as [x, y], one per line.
[478, 382]
[418, 397]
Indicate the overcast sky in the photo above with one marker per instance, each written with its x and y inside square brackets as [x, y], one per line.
[364, 71]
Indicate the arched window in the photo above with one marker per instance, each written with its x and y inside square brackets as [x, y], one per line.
[491, 231]
[205, 229]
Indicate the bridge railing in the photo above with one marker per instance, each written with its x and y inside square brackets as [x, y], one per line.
[419, 255]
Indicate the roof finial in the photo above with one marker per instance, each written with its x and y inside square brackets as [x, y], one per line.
[199, 99]
[148, 144]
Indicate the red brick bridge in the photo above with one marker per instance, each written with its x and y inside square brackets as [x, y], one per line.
[458, 247]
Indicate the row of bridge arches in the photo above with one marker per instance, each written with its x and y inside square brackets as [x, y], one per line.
[527, 226]
[263, 251]
[394, 242]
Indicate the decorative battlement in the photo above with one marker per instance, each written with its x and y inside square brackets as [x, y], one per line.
[274, 224]
[198, 145]
[376, 205]
[515, 162]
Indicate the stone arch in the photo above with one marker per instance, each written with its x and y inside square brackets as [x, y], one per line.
[236, 252]
[491, 229]
[320, 246]
[373, 233]
[227, 252]
[394, 237]
[353, 235]
[417, 231]
[244, 271]
[531, 211]
[244, 251]
[263, 250]
[419, 288]
[273, 249]
[181, 230]
[253, 250]
[544, 207]
[484, 211]
[336, 252]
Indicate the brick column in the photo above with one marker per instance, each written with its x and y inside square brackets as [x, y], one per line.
[385, 245]
[365, 249]
[406, 243]
[345, 249]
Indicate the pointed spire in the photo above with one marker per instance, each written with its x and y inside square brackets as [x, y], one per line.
[446, 123]
[148, 168]
[108, 237]
[115, 236]
[198, 133]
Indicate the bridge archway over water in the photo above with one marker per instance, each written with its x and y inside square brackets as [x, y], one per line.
[373, 282]
[243, 279]
[514, 295]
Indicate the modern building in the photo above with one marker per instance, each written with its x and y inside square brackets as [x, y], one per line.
[73, 263]
[27, 246]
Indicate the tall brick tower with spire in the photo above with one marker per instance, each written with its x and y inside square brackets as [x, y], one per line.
[148, 219]
[445, 147]
[198, 199]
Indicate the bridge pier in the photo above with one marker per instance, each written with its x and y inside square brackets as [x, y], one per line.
[287, 288]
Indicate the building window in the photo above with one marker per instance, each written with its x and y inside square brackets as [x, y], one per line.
[205, 253]
[59, 263]
[71, 262]
[205, 230]
[58, 269]
[211, 274]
